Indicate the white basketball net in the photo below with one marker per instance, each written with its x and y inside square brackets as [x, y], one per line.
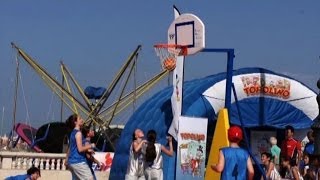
[166, 52]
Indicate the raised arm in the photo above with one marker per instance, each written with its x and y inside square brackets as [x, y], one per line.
[169, 151]
[138, 145]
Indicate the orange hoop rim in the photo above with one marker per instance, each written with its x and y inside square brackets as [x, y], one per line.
[184, 49]
[169, 46]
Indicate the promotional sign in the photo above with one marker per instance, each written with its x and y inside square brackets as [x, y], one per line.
[176, 98]
[259, 141]
[191, 151]
[255, 85]
[105, 158]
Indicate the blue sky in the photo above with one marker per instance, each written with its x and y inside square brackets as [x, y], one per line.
[94, 38]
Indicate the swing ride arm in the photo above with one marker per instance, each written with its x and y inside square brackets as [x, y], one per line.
[129, 98]
[64, 70]
[94, 112]
[65, 79]
[114, 82]
[50, 81]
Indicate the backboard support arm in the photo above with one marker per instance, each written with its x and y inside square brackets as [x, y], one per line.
[230, 58]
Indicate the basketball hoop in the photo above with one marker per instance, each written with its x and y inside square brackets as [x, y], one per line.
[168, 54]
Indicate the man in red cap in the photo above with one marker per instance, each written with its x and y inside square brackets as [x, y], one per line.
[231, 159]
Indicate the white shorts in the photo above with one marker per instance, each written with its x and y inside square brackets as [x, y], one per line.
[131, 177]
[81, 171]
[153, 174]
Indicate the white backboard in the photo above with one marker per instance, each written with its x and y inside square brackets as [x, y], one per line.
[187, 30]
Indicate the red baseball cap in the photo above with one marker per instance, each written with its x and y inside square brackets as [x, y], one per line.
[235, 134]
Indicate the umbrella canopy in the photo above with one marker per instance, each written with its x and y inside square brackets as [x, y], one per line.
[27, 134]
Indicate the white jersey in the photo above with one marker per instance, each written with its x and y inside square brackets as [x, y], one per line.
[136, 163]
[158, 161]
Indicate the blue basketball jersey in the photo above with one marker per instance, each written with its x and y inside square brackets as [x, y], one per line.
[235, 166]
[74, 155]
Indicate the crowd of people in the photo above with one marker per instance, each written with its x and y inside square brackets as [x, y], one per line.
[145, 156]
[16, 144]
[285, 162]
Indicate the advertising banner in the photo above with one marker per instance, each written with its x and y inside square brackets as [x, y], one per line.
[255, 85]
[105, 158]
[191, 151]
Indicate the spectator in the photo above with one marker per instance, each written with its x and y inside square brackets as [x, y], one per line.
[290, 147]
[309, 148]
[269, 166]
[87, 133]
[234, 162]
[275, 152]
[292, 170]
[314, 172]
[306, 164]
[33, 173]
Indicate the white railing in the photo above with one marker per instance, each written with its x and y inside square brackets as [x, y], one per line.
[25, 160]
[52, 166]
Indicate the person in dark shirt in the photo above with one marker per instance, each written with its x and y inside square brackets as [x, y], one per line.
[87, 133]
[309, 148]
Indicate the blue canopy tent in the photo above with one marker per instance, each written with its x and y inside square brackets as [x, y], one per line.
[291, 103]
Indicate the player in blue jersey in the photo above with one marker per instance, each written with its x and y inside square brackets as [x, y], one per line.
[76, 159]
[234, 162]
